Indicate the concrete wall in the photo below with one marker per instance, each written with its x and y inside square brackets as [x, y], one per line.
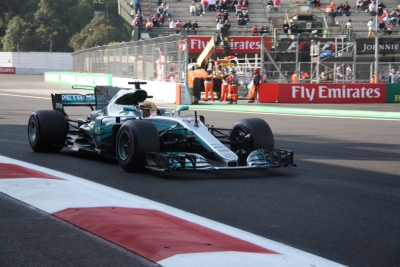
[36, 62]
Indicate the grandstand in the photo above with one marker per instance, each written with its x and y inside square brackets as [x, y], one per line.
[300, 11]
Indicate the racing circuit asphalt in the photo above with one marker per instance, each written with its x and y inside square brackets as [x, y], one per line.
[341, 202]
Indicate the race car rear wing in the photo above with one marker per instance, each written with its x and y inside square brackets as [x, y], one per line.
[99, 98]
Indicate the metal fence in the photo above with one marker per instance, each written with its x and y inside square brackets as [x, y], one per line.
[329, 59]
[159, 59]
[166, 59]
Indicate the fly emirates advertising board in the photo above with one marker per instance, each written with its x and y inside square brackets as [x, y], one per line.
[238, 44]
[323, 93]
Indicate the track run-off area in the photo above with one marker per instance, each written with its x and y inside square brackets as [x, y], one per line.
[339, 207]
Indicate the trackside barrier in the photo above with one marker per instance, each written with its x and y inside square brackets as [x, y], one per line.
[329, 93]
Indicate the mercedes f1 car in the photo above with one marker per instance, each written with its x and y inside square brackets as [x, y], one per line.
[124, 125]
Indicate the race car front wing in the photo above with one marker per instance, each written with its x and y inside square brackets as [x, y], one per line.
[260, 158]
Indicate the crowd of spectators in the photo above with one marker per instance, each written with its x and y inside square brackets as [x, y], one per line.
[163, 14]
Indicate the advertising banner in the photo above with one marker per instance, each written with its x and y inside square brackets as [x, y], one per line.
[393, 93]
[239, 44]
[325, 93]
[7, 70]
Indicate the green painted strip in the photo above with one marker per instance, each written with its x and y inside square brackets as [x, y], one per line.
[304, 111]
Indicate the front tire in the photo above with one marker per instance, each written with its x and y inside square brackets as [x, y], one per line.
[260, 136]
[47, 131]
[134, 138]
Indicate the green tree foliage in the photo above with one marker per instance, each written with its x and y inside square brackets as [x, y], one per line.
[51, 24]
[17, 36]
[98, 32]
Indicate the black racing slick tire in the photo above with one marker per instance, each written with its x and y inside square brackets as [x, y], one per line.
[260, 136]
[47, 131]
[135, 137]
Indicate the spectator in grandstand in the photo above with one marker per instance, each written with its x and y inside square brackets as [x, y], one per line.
[187, 26]
[395, 77]
[365, 5]
[161, 20]
[221, 5]
[277, 5]
[346, 9]
[270, 4]
[294, 77]
[192, 8]
[140, 16]
[339, 74]
[204, 4]
[168, 12]
[225, 15]
[212, 5]
[199, 10]
[285, 26]
[227, 24]
[136, 22]
[239, 8]
[137, 6]
[359, 4]
[195, 27]
[381, 7]
[155, 21]
[220, 24]
[392, 72]
[245, 5]
[385, 16]
[172, 26]
[149, 25]
[240, 18]
[160, 10]
[286, 74]
[393, 17]
[349, 74]
[218, 17]
[231, 5]
[254, 31]
[246, 17]
[304, 77]
[293, 28]
[382, 26]
[389, 28]
[331, 9]
[326, 75]
[263, 30]
[178, 26]
[371, 27]
[372, 9]
[340, 9]
[317, 3]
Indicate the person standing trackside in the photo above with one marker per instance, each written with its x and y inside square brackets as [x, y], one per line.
[208, 85]
[224, 86]
[233, 87]
[255, 84]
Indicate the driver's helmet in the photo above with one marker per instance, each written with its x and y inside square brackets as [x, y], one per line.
[148, 108]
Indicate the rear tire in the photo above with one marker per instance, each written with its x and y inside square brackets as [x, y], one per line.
[260, 137]
[134, 138]
[47, 131]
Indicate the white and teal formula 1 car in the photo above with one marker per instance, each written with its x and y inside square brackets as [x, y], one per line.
[123, 125]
